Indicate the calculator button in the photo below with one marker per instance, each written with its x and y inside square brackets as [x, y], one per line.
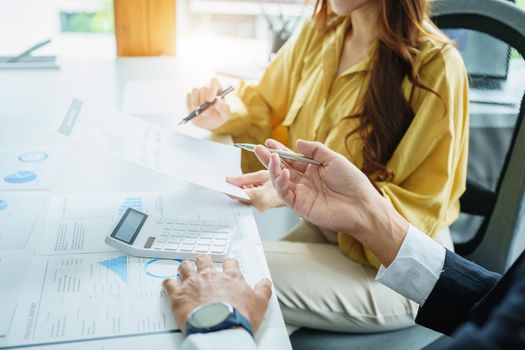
[181, 222]
[186, 248]
[202, 248]
[219, 242]
[171, 246]
[189, 241]
[210, 223]
[221, 229]
[158, 245]
[191, 235]
[174, 240]
[206, 235]
[204, 241]
[221, 236]
[216, 249]
[161, 239]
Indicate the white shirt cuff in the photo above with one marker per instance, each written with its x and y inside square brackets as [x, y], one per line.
[221, 340]
[416, 268]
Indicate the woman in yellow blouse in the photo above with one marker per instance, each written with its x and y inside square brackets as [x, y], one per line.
[376, 81]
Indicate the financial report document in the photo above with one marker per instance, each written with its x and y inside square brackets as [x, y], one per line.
[80, 223]
[201, 162]
[29, 168]
[19, 210]
[14, 265]
[78, 288]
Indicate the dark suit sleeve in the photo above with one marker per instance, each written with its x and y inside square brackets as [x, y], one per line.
[460, 286]
[504, 328]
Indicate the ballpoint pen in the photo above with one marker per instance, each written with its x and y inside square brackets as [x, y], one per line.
[285, 154]
[205, 106]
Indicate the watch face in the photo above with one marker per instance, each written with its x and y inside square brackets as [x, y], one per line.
[209, 315]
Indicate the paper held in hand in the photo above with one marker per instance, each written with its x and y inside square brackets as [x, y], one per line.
[198, 161]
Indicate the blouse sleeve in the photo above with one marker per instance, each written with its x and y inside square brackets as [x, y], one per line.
[258, 110]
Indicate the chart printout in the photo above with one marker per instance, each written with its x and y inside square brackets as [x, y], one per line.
[80, 223]
[201, 162]
[19, 210]
[100, 295]
[88, 296]
[29, 168]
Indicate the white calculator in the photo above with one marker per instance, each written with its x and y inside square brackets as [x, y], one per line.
[170, 238]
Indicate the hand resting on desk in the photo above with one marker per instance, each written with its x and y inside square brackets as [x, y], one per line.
[202, 284]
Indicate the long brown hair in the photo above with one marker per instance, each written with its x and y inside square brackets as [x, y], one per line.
[386, 113]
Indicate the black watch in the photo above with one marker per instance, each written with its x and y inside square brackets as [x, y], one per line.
[216, 317]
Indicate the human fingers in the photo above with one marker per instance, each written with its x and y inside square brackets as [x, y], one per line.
[299, 166]
[231, 267]
[204, 264]
[258, 198]
[271, 143]
[213, 90]
[263, 155]
[263, 292]
[255, 178]
[203, 92]
[263, 288]
[171, 286]
[281, 181]
[316, 151]
[186, 269]
[188, 102]
[195, 97]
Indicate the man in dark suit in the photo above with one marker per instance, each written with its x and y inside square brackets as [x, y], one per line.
[478, 308]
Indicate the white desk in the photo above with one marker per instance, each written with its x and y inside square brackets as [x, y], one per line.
[31, 100]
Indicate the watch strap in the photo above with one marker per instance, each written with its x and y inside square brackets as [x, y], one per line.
[234, 319]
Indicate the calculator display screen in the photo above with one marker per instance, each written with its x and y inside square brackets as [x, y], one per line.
[129, 226]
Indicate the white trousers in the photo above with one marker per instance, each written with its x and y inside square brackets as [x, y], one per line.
[318, 287]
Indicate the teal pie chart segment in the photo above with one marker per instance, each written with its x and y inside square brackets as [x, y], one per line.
[20, 177]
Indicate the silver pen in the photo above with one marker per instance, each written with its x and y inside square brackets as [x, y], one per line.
[285, 154]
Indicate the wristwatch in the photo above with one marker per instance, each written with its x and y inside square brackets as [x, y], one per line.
[216, 317]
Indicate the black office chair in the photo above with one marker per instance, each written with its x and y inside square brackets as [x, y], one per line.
[491, 37]
[493, 202]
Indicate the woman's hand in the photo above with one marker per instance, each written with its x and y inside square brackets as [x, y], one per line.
[259, 188]
[217, 114]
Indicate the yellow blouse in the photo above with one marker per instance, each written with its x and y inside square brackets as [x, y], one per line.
[300, 96]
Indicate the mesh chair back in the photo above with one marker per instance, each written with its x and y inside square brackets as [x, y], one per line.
[493, 52]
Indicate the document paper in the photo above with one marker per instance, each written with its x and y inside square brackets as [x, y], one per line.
[201, 162]
[13, 268]
[80, 223]
[29, 169]
[18, 213]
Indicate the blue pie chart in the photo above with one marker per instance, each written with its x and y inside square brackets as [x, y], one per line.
[33, 157]
[3, 205]
[20, 177]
